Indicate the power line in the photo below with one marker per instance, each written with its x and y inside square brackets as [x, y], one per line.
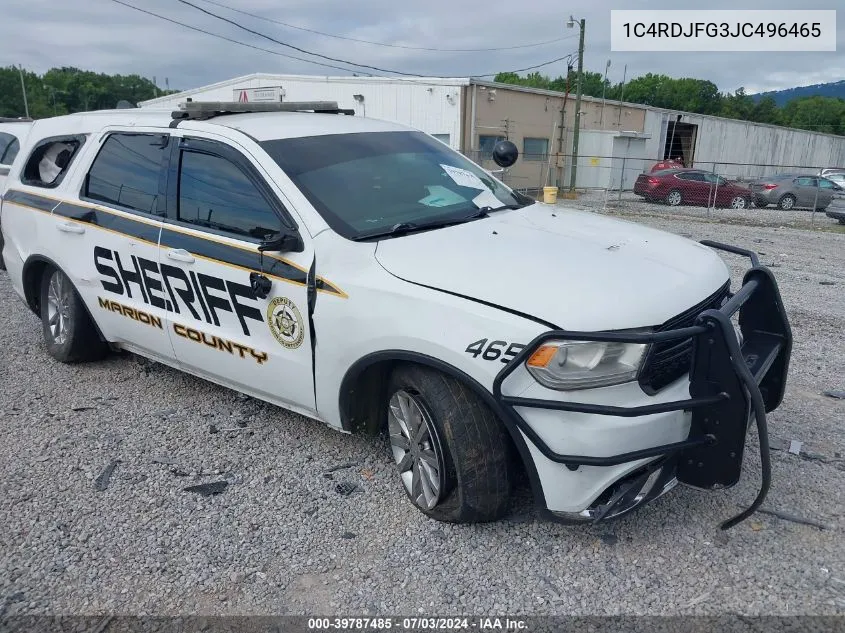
[223, 37]
[413, 48]
[296, 48]
[343, 61]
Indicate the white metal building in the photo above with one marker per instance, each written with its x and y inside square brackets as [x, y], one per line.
[431, 105]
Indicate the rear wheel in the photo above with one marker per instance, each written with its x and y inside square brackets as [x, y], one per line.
[786, 202]
[674, 198]
[453, 455]
[69, 333]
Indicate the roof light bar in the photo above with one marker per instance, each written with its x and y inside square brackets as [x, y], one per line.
[209, 109]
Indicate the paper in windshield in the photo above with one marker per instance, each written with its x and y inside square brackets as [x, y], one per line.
[463, 177]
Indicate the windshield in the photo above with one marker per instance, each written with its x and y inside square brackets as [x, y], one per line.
[364, 184]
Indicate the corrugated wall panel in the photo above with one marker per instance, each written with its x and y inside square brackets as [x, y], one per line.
[747, 150]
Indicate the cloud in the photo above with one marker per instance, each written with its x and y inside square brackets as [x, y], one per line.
[104, 36]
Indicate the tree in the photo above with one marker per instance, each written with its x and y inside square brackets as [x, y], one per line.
[821, 114]
[738, 105]
[766, 111]
[66, 90]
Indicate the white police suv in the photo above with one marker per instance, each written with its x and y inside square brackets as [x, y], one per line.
[365, 275]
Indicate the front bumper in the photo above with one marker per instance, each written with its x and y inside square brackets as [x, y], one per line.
[836, 214]
[730, 383]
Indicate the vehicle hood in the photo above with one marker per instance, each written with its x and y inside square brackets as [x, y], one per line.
[576, 270]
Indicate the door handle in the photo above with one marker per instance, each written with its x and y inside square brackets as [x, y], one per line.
[180, 255]
[71, 227]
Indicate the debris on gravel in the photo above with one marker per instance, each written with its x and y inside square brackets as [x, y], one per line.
[101, 483]
[208, 489]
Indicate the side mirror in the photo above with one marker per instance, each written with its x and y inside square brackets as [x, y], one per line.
[505, 153]
[282, 242]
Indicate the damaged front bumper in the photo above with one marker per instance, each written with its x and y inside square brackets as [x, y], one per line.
[731, 383]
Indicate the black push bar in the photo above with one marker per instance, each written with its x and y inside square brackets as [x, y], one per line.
[729, 382]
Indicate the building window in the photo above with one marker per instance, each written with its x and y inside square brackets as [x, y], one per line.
[486, 145]
[443, 138]
[535, 149]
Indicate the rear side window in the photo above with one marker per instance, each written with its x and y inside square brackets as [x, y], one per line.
[9, 147]
[696, 177]
[127, 171]
[50, 159]
[214, 193]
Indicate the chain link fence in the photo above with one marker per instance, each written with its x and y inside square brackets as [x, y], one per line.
[643, 184]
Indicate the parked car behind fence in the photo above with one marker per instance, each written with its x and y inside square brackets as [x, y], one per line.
[691, 186]
[788, 191]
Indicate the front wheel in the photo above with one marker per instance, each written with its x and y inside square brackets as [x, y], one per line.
[453, 455]
[739, 202]
[69, 333]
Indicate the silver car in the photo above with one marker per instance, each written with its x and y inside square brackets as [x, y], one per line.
[789, 191]
[836, 174]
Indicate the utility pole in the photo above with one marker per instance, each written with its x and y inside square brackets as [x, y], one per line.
[560, 152]
[603, 90]
[622, 97]
[581, 24]
[23, 89]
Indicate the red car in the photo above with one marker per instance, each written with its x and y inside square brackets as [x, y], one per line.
[669, 163]
[691, 186]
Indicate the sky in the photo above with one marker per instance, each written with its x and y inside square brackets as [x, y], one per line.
[105, 36]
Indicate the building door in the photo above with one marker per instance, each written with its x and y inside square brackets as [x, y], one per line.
[629, 161]
[680, 141]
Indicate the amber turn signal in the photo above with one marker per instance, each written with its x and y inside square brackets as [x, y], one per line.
[543, 356]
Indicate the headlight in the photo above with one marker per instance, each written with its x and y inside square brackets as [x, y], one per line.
[566, 365]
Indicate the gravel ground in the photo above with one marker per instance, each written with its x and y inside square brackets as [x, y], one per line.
[280, 539]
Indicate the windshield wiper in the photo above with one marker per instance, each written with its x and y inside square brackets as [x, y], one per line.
[397, 229]
[403, 228]
[483, 212]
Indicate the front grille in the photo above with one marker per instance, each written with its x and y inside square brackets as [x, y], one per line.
[668, 361]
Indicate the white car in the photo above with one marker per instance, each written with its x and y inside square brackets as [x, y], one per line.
[12, 131]
[365, 275]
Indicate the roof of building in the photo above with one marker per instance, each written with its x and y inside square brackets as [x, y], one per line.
[457, 81]
[243, 79]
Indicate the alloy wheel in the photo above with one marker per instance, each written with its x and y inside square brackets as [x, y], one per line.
[416, 449]
[674, 198]
[59, 318]
[738, 202]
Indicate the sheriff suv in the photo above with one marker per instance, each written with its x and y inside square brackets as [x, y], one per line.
[363, 274]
